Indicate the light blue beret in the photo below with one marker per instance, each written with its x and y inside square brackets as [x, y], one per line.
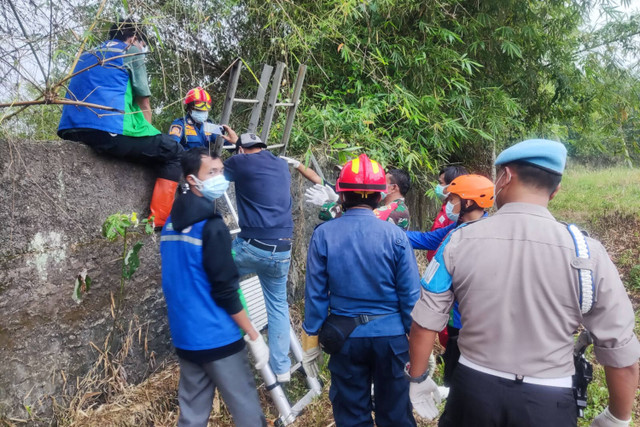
[548, 155]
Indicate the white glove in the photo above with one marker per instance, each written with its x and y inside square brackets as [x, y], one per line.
[310, 361]
[424, 398]
[320, 194]
[259, 350]
[444, 391]
[606, 419]
[292, 162]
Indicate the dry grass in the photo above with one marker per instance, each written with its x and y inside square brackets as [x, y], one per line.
[151, 403]
[154, 403]
[103, 397]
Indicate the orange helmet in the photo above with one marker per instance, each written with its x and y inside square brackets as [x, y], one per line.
[198, 99]
[362, 174]
[473, 187]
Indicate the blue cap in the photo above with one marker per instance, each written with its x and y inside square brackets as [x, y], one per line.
[543, 153]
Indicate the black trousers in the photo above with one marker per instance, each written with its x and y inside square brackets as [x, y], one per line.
[451, 355]
[361, 361]
[160, 151]
[477, 399]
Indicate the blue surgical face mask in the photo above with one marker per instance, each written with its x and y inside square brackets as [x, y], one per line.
[449, 211]
[383, 195]
[439, 190]
[213, 187]
[199, 116]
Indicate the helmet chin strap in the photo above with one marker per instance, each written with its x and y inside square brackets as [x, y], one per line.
[463, 210]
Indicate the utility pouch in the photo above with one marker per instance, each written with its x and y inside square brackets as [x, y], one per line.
[336, 329]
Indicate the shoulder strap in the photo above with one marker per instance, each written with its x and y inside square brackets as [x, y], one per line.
[587, 288]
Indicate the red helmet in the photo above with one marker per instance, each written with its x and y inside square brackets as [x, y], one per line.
[198, 99]
[473, 187]
[362, 174]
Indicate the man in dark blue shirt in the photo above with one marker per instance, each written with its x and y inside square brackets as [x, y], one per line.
[263, 196]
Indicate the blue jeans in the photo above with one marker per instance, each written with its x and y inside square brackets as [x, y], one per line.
[272, 269]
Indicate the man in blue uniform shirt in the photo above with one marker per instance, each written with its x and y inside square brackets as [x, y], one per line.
[362, 279]
[195, 129]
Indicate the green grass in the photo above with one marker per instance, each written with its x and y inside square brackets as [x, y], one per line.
[588, 195]
[605, 202]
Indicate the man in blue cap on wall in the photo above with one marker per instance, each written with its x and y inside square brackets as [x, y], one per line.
[524, 283]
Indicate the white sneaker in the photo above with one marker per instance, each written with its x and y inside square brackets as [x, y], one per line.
[444, 391]
[285, 377]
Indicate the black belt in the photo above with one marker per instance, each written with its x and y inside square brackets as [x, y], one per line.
[363, 319]
[266, 247]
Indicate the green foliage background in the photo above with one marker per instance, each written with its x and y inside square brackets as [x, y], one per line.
[416, 84]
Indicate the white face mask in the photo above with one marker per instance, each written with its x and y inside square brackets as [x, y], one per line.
[213, 187]
[449, 211]
[199, 116]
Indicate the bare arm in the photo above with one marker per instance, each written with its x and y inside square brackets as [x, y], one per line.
[622, 384]
[145, 105]
[420, 346]
[309, 173]
[242, 320]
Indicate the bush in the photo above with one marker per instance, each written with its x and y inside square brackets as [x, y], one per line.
[633, 279]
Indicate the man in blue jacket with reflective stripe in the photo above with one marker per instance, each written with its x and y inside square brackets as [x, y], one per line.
[467, 198]
[114, 75]
[362, 270]
[206, 316]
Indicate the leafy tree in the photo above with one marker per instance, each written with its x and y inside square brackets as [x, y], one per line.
[414, 83]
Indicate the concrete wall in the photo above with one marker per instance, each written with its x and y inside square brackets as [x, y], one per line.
[55, 197]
